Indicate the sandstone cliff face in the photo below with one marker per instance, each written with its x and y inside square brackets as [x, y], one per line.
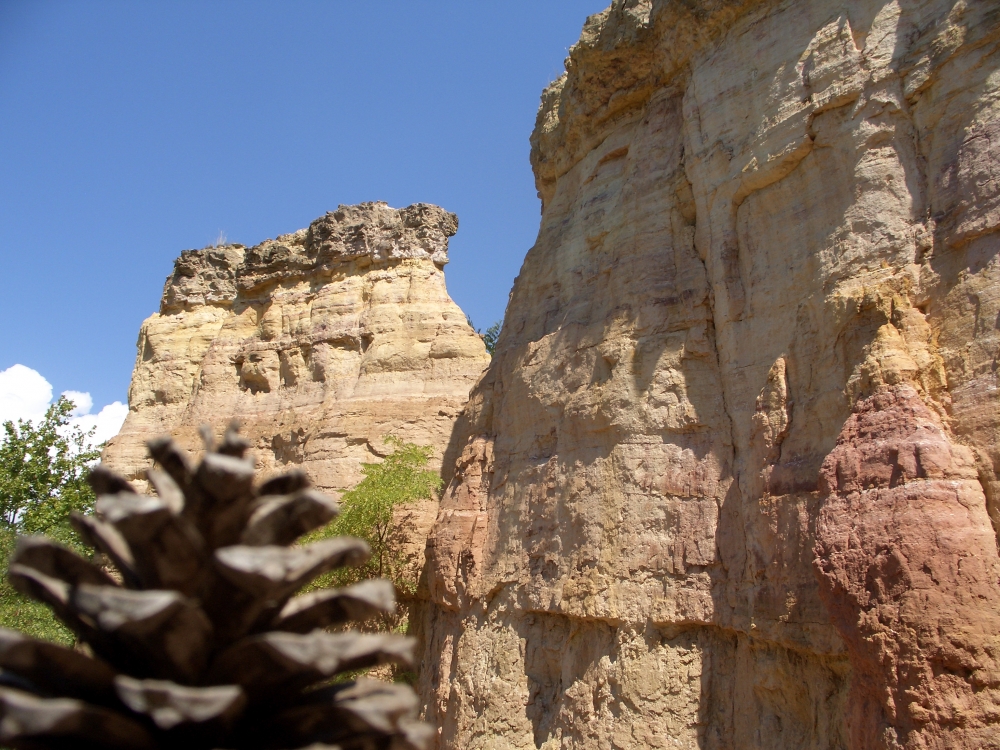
[728, 482]
[320, 342]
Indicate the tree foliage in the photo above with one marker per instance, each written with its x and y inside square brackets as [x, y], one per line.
[43, 470]
[367, 513]
[491, 337]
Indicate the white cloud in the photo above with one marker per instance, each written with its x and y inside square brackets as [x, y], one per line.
[25, 394]
[83, 402]
[106, 423]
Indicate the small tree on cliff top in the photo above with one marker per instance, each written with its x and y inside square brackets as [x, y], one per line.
[491, 337]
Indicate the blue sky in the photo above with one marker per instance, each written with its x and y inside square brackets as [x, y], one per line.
[130, 131]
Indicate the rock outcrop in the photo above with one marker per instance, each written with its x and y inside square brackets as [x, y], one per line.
[729, 481]
[320, 343]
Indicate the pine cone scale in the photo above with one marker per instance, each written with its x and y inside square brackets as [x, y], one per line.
[350, 716]
[108, 540]
[167, 490]
[320, 609]
[56, 669]
[281, 519]
[168, 551]
[55, 561]
[31, 722]
[164, 631]
[56, 594]
[172, 706]
[281, 662]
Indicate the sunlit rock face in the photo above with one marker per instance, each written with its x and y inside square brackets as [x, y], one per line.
[728, 482]
[320, 343]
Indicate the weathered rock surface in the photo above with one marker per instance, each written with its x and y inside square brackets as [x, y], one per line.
[320, 342]
[909, 574]
[728, 482]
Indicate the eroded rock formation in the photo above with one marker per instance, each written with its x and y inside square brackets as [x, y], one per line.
[728, 482]
[320, 342]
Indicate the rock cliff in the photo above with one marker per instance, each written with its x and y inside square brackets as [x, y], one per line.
[320, 342]
[729, 481]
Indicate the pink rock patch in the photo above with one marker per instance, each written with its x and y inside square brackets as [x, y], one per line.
[908, 569]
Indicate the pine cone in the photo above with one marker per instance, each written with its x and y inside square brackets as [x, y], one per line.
[203, 643]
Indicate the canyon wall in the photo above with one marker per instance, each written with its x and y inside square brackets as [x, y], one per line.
[320, 343]
[731, 480]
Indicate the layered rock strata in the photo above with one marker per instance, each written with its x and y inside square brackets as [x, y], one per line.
[728, 482]
[321, 343]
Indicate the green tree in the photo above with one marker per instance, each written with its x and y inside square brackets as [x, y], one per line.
[367, 513]
[43, 469]
[43, 474]
[491, 336]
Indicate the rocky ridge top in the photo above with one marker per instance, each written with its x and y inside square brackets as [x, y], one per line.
[364, 234]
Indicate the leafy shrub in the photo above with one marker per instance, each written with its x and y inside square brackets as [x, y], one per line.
[367, 513]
